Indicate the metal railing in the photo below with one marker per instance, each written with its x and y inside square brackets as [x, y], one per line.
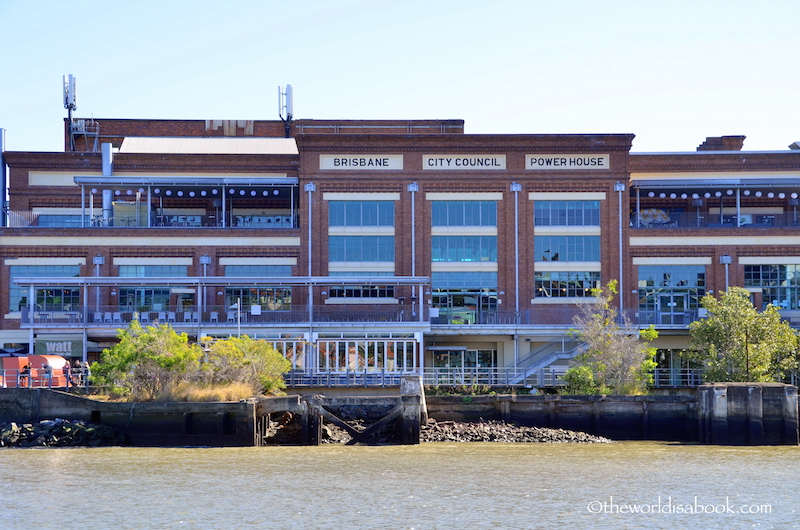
[67, 218]
[110, 316]
[677, 377]
[431, 376]
[41, 378]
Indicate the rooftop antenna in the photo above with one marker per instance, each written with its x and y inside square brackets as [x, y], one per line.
[69, 95]
[69, 104]
[285, 109]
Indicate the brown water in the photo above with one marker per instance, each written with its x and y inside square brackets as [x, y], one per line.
[431, 486]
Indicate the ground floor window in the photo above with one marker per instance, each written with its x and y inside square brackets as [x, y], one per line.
[367, 355]
[268, 298]
[144, 299]
[465, 359]
[464, 297]
[565, 284]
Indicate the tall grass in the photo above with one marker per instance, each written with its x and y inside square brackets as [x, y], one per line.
[184, 391]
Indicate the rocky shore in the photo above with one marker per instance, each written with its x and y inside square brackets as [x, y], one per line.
[58, 433]
[288, 431]
[499, 431]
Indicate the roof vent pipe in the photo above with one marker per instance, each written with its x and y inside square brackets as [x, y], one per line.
[108, 160]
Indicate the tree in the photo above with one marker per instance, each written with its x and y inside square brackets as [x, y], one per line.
[245, 360]
[618, 358]
[735, 342]
[146, 362]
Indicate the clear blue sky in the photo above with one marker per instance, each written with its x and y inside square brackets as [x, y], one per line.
[672, 72]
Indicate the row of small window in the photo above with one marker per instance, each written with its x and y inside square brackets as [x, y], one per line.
[464, 213]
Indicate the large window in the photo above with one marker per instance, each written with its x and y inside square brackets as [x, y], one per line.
[566, 248]
[361, 213]
[565, 284]
[464, 213]
[361, 291]
[670, 294]
[566, 213]
[464, 297]
[464, 248]
[361, 248]
[780, 284]
[269, 298]
[50, 299]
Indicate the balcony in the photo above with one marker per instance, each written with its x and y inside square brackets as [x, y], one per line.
[213, 316]
[67, 218]
[654, 218]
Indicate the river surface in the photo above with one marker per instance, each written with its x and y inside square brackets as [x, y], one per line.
[430, 486]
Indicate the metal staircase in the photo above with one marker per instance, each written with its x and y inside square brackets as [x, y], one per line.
[564, 348]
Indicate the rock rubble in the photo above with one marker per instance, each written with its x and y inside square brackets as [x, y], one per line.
[58, 433]
[499, 431]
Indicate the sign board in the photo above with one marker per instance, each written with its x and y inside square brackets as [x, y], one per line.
[464, 162]
[361, 162]
[567, 161]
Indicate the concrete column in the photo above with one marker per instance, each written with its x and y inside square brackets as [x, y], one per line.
[755, 416]
[790, 423]
[410, 419]
[719, 415]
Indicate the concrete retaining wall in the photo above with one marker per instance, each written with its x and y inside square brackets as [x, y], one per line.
[616, 417]
[145, 424]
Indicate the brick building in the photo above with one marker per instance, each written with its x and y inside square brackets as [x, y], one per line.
[382, 247]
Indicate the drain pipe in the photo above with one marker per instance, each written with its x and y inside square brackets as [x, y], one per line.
[516, 188]
[4, 204]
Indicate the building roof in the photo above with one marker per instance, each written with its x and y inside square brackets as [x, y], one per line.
[209, 146]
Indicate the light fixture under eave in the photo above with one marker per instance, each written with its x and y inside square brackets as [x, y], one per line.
[707, 195]
[168, 192]
[717, 194]
[758, 194]
[191, 194]
[180, 193]
[746, 193]
[214, 191]
[729, 192]
[242, 192]
[793, 195]
[651, 194]
[662, 195]
[673, 196]
[781, 195]
[157, 191]
[253, 193]
[684, 196]
[203, 193]
[276, 192]
[771, 195]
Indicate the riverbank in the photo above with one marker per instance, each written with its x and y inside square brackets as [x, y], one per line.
[287, 431]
